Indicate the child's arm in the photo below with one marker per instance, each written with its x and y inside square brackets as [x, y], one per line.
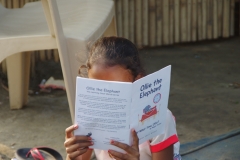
[166, 154]
[77, 146]
[166, 145]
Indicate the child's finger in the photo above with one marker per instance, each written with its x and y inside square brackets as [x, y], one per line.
[76, 139]
[124, 146]
[118, 155]
[135, 139]
[77, 153]
[69, 130]
[78, 146]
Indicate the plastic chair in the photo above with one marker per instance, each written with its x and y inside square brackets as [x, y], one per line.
[66, 25]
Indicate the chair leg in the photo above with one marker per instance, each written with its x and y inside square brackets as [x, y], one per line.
[112, 29]
[18, 70]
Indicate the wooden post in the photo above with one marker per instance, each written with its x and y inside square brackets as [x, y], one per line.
[3, 2]
[111, 29]
[194, 20]
[220, 18]
[9, 4]
[119, 17]
[226, 18]
[171, 21]
[32, 63]
[125, 19]
[49, 54]
[15, 4]
[176, 21]
[145, 23]
[22, 2]
[204, 19]
[4, 66]
[131, 21]
[189, 18]
[199, 20]
[183, 8]
[165, 22]
[42, 55]
[152, 23]
[215, 19]
[159, 21]
[36, 56]
[138, 23]
[232, 8]
[56, 55]
[209, 19]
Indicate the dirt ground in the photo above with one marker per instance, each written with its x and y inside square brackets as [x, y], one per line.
[204, 97]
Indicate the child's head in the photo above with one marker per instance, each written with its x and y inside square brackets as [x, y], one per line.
[117, 56]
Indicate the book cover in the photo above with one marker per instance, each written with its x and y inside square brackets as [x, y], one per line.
[108, 110]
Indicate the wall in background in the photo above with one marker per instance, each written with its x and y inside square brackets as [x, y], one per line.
[160, 22]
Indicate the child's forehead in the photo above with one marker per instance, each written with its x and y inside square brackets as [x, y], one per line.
[110, 73]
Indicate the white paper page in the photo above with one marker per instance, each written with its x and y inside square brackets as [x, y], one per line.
[102, 111]
[149, 104]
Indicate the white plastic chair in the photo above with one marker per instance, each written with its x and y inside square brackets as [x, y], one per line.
[66, 25]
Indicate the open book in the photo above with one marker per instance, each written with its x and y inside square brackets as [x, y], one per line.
[108, 110]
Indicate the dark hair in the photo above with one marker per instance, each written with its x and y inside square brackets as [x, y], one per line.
[111, 51]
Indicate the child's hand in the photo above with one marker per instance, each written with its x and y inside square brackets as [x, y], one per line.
[76, 145]
[132, 151]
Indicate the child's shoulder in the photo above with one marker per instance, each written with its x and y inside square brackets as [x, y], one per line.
[169, 136]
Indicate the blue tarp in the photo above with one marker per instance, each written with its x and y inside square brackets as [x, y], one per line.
[222, 147]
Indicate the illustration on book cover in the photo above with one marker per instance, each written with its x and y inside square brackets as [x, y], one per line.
[149, 111]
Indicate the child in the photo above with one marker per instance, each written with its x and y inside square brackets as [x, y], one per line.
[117, 59]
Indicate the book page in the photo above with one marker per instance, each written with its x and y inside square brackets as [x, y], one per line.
[102, 111]
[149, 104]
